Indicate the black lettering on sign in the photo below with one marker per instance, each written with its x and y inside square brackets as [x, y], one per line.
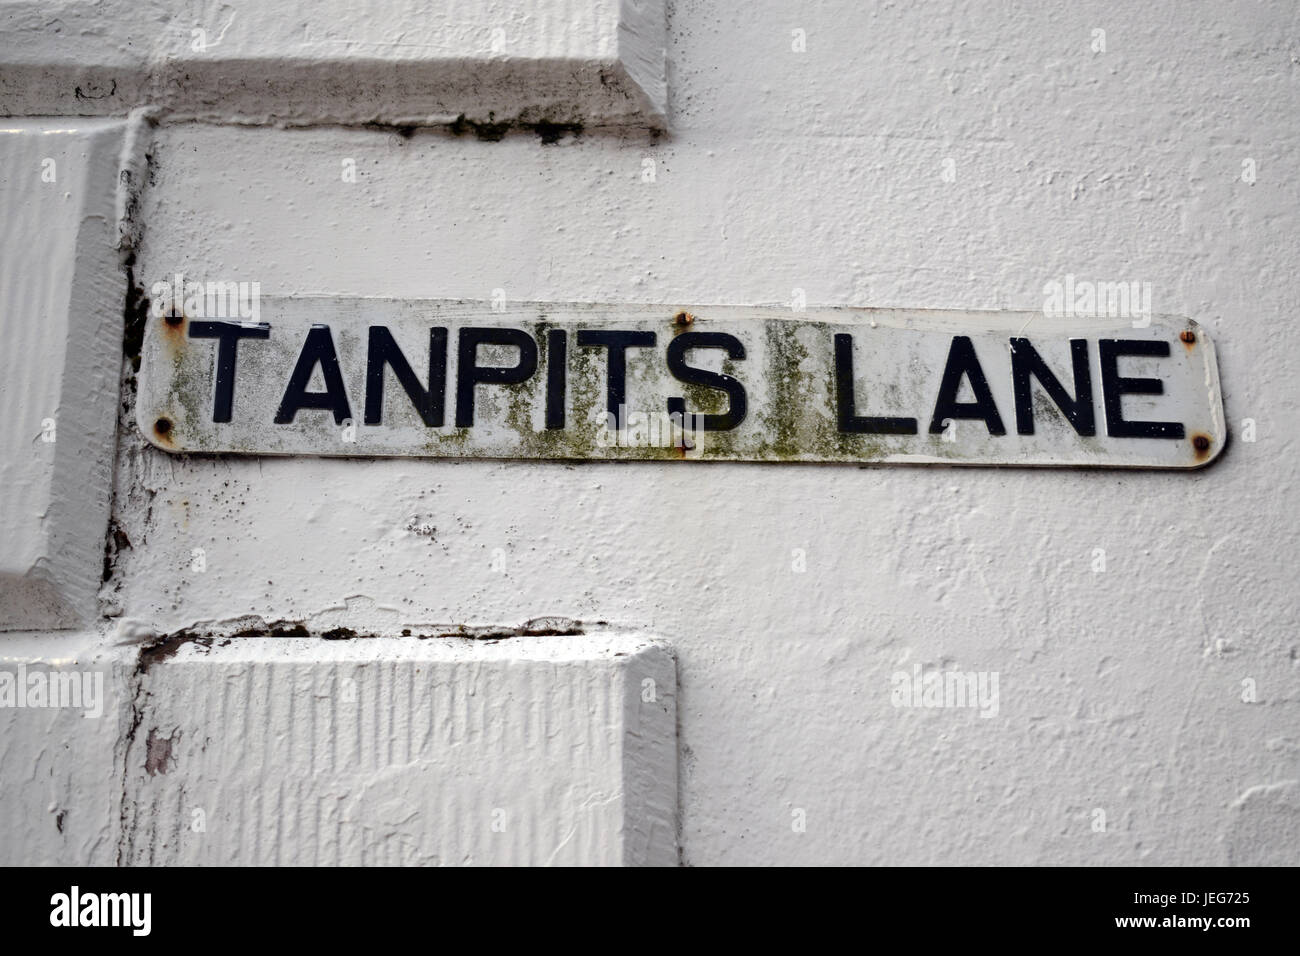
[1114, 387]
[846, 415]
[556, 377]
[737, 400]
[383, 350]
[228, 335]
[317, 349]
[1027, 364]
[469, 373]
[617, 343]
[962, 362]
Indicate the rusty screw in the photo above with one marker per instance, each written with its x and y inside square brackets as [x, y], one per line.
[172, 318]
[1201, 443]
[162, 426]
[1188, 336]
[683, 318]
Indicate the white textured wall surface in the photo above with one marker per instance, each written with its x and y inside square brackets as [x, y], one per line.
[61, 294]
[1142, 627]
[587, 62]
[401, 751]
[61, 767]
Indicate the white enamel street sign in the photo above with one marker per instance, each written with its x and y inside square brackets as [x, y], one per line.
[453, 379]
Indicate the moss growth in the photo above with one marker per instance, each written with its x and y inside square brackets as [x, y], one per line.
[781, 419]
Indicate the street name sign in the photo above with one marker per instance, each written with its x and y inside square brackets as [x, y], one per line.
[457, 379]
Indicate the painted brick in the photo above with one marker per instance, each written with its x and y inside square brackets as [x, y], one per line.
[526, 750]
[61, 306]
[587, 62]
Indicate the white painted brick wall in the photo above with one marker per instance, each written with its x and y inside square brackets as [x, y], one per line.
[61, 303]
[61, 779]
[588, 62]
[293, 751]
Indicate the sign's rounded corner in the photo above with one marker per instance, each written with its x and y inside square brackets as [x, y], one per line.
[1218, 445]
[154, 431]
